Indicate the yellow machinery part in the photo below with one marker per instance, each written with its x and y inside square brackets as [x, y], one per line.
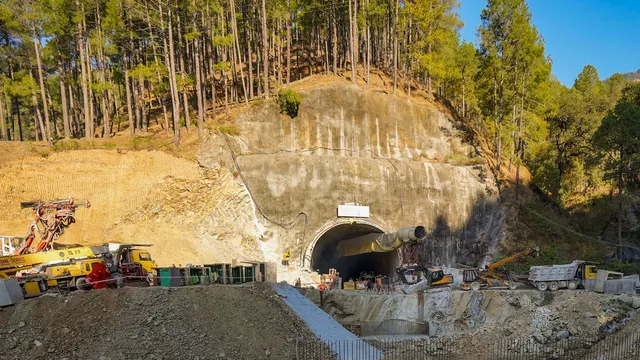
[366, 244]
[32, 288]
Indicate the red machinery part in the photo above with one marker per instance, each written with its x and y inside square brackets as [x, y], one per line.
[98, 276]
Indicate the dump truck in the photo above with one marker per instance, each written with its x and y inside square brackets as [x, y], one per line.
[569, 276]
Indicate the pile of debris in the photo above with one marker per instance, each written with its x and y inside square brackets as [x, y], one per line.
[215, 322]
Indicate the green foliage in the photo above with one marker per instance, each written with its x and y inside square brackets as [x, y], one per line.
[230, 130]
[459, 159]
[289, 101]
[66, 145]
[141, 142]
[625, 268]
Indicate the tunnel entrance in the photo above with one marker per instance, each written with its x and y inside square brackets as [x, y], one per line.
[324, 254]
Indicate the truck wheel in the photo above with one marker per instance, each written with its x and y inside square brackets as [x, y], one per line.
[553, 286]
[81, 284]
[512, 286]
[542, 286]
[475, 286]
[572, 285]
[118, 279]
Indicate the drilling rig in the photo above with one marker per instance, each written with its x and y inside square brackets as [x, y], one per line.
[51, 218]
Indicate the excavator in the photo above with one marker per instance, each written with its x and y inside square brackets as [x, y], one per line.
[413, 273]
[475, 279]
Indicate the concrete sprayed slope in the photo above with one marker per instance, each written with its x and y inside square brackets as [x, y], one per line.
[352, 145]
[344, 343]
[215, 322]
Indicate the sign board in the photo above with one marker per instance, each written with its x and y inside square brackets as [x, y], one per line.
[353, 211]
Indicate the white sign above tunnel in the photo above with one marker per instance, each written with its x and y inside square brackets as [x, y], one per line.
[353, 211]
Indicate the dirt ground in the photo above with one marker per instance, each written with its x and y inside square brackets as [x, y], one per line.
[214, 322]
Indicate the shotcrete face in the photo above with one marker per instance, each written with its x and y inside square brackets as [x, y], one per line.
[324, 254]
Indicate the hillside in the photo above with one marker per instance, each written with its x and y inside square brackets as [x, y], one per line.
[632, 76]
[367, 147]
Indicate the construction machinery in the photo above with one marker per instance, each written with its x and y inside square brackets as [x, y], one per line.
[67, 274]
[570, 276]
[376, 242]
[10, 265]
[54, 216]
[76, 267]
[128, 262]
[413, 273]
[475, 279]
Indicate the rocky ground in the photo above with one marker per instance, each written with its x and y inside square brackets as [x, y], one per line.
[215, 322]
[472, 322]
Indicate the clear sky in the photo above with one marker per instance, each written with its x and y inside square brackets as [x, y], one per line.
[603, 33]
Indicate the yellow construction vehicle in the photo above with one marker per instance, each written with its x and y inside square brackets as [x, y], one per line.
[10, 265]
[412, 274]
[474, 279]
[70, 274]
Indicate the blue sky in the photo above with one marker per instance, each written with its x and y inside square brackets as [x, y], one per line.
[578, 32]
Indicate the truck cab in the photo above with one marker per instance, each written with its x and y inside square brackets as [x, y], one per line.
[139, 256]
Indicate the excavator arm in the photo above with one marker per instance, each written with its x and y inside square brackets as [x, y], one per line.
[490, 273]
[533, 251]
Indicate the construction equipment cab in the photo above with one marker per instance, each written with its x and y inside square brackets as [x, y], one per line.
[412, 274]
[124, 255]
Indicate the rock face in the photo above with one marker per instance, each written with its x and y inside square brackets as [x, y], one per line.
[348, 145]
[543, 316]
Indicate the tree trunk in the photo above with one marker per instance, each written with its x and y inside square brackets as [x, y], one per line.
[3, 121]
[63, 101]
[172, 76]
[83, 67]
[395, 49]
[265, 50]
[464, 106]
[368, 44]
[620, 172]
[43, 94]
[351, 42]
[334, 41]
[185, 99]
[237, 43]
[196, 54]
[288, 41]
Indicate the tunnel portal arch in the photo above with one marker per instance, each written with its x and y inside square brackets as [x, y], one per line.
[320, 254]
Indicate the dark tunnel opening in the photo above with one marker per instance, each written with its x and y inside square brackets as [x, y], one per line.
[324, 254]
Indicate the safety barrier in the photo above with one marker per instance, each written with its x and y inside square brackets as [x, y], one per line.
[617, 346]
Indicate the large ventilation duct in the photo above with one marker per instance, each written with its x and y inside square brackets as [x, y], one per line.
[377, 243]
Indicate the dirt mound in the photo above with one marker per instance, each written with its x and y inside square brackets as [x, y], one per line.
[215, 322]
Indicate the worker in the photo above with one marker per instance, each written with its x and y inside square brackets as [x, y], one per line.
[285, 259]
[298, 283]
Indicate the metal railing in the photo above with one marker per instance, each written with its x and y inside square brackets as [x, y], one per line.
[619, 346]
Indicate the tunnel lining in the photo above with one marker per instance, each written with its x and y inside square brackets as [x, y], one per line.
[323, 255]
[308, 255]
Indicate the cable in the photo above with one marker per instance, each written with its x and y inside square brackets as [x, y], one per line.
[575, 232]
[287, 226]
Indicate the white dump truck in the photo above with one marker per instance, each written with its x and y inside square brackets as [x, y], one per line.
[570, 276]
